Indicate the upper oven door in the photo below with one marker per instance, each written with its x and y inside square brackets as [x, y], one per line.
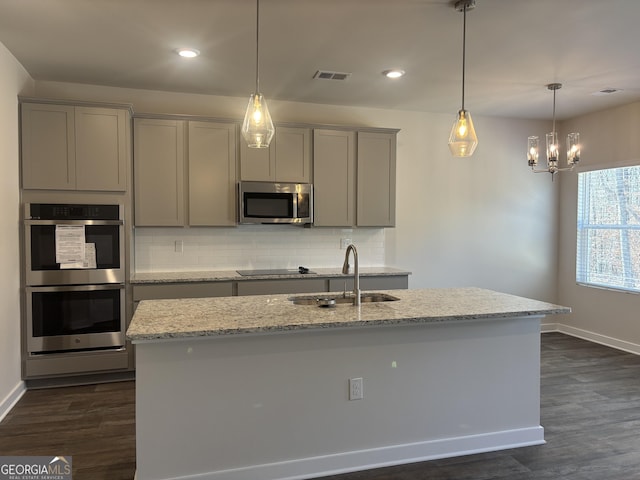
[105, 237]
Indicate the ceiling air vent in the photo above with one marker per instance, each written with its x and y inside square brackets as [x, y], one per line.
[607, 91]
[326, 75]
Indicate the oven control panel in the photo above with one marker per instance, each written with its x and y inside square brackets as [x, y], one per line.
[59, 211]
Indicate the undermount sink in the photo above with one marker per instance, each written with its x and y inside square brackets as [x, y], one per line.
[333, 300]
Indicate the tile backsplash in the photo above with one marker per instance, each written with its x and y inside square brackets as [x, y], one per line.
[252, 247]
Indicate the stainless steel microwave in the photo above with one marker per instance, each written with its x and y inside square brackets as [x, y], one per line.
[265, 202]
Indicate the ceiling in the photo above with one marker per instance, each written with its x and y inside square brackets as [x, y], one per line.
[514, 49]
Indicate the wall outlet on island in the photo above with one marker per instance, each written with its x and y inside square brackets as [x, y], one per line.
[344, 243]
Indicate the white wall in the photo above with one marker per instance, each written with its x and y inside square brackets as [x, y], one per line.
[14, 80]
[609, 138]
[484, 221]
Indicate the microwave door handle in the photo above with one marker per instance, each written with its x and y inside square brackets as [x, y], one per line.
[294, 214]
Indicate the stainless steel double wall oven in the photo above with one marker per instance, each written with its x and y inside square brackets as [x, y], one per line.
[74, 277]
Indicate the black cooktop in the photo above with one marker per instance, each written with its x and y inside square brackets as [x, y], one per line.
[281, 271]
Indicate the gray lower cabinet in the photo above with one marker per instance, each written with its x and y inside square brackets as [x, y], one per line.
[181, 290]
[387, 282]
[263, 287]
[269, 287]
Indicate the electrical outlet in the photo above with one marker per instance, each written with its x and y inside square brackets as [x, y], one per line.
[356, 389]
[344, 243]
[179, 246]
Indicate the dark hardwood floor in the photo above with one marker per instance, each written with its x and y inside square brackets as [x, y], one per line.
[95, 424]
[590, 411]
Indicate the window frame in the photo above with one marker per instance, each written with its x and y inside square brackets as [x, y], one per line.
[583, 228]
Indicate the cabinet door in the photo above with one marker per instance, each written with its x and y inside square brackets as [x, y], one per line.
[376, 179]
[182, 290]
[386, 282]
[212, 174]
[293, 154]
[272, 287]
[48, 147]
[257, 164]
[159, 172]
[334, 178]
[101, 149]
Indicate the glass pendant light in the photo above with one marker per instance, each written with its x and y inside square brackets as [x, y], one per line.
[257, 127]
[463, 140]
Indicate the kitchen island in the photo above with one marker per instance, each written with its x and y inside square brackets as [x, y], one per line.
[259, 388]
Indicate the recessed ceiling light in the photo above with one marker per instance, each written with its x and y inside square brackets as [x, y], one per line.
[187, 52]
[395, 73]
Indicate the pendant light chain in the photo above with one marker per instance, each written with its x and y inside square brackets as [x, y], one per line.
[553, 129]
[257, 46]
[464, 47]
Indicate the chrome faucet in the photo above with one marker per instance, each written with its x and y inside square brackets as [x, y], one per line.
[356, 274]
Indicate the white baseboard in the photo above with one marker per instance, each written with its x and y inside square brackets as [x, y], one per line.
[339, 463]
[11, 399]
[592, 337]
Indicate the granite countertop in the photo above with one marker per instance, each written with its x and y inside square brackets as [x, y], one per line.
[232, 275]
[156, 320]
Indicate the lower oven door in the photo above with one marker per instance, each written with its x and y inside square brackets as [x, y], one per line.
[71, 318]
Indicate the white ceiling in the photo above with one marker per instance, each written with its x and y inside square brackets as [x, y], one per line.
[514, 48]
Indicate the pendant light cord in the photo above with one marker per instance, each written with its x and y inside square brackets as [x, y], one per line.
[257, 46]
[464, 47]
[554, 111]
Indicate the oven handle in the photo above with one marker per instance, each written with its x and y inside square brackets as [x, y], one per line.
[76, 288]
[74, 222]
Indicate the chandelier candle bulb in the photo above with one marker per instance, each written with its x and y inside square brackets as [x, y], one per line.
[552, 148]
[532, 151]
[573, 148]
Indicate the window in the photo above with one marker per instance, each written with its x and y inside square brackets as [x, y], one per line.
[608, 253]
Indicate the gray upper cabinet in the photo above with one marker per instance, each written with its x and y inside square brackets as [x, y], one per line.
[376, 166]
[288, 158]
[66, 147]
[293, 154]
[158, 163]
[257, 164]
[354, 178]
[185, 173]
[334, 177]
[212, 174]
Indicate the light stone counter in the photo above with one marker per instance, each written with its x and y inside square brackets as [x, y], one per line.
[143, 278]
[257, 388]
[207, 317]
